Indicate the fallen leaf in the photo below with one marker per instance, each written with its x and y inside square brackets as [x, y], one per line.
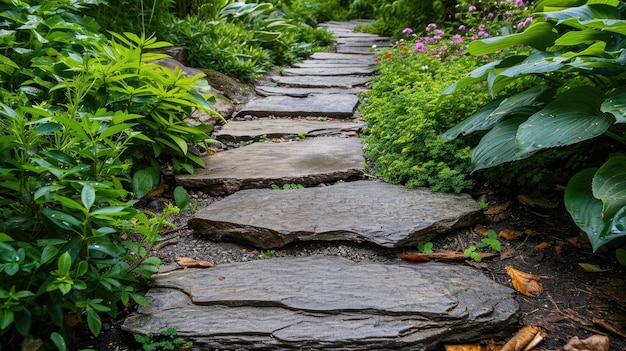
[447, 255]
[498, 209]
[414, 257]
[477, 265]
[593, 268]
[193, 263]
[160, 189]
[509, 234]
[525, 339]
[481, 229]
[539, 202]
[581, 241]
[543, 246]
[507, 253]
[613, 323]
[464, 347]
[592, 343]
[526, 283]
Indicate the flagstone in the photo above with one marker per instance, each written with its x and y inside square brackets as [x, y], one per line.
[342, 106]
[321, 82]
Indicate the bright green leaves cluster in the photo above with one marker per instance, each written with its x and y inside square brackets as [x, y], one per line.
[406, 117]
[577, 53]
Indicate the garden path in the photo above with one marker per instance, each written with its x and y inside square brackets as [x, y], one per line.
[317, 302]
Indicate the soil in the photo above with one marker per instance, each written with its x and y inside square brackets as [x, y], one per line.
[575, 302]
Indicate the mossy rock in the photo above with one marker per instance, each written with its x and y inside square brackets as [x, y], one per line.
[230, 87]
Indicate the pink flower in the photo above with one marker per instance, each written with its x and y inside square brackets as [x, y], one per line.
[485, 57]
[462, 27]
[429, 39]
[481, 27]
[431, 26]
[419, 46]
[519, 2]
[490, 15]
[472, 8]
[407, 31]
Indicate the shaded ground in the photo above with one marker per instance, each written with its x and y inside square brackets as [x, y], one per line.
[575, 302]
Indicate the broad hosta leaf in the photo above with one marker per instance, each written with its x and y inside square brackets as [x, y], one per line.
[572, 117]
[615, 104]
[537, 62]
[582, 37]
[498, 146]
[475, 76]
[522, 99]
[477, 121]
[583, 13]
[538, 35]
[609, 185]
[585, 209]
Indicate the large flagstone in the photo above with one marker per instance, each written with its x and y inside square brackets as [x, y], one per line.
[362, 211]
[321, 81]
[332, 106]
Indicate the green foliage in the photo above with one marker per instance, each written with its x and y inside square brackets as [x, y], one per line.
[405, 118]
[491, 242]
[471, 253]
[425, 247]
[287, 186]
[136, 16]
[576, 52]
[269, 254]
[167, 339]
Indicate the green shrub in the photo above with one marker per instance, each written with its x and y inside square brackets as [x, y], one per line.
[576, 49]
[405, 118]
[136, 16]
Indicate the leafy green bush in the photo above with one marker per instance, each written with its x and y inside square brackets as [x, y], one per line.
[136, 16]
[576, 49]
[405, 118]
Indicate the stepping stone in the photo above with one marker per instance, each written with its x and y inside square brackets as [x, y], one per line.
[367, 58]
[321, 82]
[350, 49]
[236, 131]
[362, 211]
[303, 92]
[328, 71]
[259, 165]
[332, 64]
[332, 106]
[371, 40]
[327, 303]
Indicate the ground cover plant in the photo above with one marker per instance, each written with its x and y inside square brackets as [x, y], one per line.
[405, 112]
[576, 51]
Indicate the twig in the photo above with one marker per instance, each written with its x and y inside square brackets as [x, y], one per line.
[163, 244]
[554, 303]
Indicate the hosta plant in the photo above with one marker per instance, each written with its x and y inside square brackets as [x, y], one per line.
[575, 50]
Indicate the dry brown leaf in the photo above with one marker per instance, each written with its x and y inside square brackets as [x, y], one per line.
[477, 265]
[509, 234]
[613, 323]
[539, 202]
[526, 283]
[543, 246]
[581, 241]
[414, 257]
[464, 347]
[525, 339]
[193, 263]
[447, 255]
[592, 343]
[158, 191]
[507, 253]
[498, 209]
[481, 229]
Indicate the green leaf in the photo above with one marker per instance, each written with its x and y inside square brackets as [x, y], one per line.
[585, 209]
[475, 76]
[615, 104]
[58, 341]
[6, 318]
[48, 254]
[5, 237]
[144, 180]
[480, 120]
[62, 219]
[538, 35]
[609, 185]
[23, 321]
[181, 197]
[94, 322]
[64, 264]
[572, 117]
[498, 146]
[88, 196]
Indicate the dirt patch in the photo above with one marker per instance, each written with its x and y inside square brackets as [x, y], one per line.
[575, 302]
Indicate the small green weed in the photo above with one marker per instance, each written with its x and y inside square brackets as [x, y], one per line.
[168, 339]
[471, 253]
[621, 256]
[425, 247]
[301, 137]
[263, 138]
[288, 186]
[491, 242]
[482, 205]
[268, 254]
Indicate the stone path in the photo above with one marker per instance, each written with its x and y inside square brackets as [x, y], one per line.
[318, 302]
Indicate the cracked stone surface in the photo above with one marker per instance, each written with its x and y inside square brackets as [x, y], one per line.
[327, 303]
[236, 131]
[329, 71]
[342, 106]
[259, 165]
[303, 92]
[361, 211]
[321, 82]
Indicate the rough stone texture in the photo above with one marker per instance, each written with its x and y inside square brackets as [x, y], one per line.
[333, 64]
[329, 71]
[365, 58]
[356, 49]
[362, 211]
[259, 165]
[321, 82]
[327, 303]
[236, 131]
[303, 92]
[333, 106]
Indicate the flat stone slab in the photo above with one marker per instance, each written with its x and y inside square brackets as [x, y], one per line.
[303, 92]
[259, 165]
[362, 211]
[328, 71]
[327, 303]
[333, 64]
[333, 106]
[368, 58]
[321, 82]
[236, 131]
